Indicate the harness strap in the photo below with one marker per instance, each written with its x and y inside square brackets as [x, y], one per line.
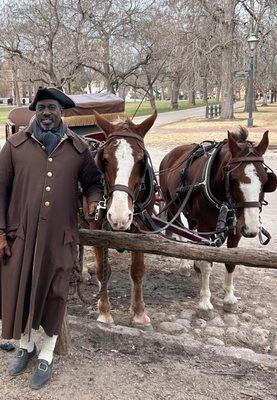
[126, 134]
[122, 188]
[247, 159]
[247, 204]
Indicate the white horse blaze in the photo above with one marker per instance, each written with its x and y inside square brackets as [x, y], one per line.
[251, 192]
[119, 210]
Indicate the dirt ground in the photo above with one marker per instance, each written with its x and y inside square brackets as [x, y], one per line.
[92, 371]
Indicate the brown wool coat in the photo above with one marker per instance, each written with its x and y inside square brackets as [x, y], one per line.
[38, 210]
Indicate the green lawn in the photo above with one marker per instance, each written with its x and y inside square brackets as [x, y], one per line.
[130, 108]
[162, 106]
[4, 111]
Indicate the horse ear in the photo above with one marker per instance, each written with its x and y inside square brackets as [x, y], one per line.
[233, 145]
[103, 123]
[263, 145]
[144, 127]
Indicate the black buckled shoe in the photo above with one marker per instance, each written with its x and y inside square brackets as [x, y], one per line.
[19, 363]
[42, 374]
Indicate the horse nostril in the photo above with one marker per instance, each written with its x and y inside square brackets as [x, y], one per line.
[109, 215]
[130, 216]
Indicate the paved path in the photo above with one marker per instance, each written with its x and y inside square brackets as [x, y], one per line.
[175, 116]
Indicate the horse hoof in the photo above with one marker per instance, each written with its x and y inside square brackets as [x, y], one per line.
[185, 271]
[230, 308]
[207, 315]
[107, 320]
[144, 328]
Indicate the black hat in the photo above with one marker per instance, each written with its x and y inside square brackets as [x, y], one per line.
[53, 94]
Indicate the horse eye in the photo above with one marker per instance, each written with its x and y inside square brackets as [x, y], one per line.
[141, 162]
[234, 181]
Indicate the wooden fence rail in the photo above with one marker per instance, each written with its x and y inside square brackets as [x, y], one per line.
[150, 243]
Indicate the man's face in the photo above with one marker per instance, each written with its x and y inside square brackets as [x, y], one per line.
[48, 114]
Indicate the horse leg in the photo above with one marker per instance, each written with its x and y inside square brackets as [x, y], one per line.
[184, 265]
[230, 300]
[104, 306]
[137, 303]
[205, 293]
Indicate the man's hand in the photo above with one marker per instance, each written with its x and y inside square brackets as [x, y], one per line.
[4, 247]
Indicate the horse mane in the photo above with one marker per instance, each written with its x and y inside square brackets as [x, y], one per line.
[240, 134]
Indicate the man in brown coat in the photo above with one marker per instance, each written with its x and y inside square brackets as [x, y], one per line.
[40, 168]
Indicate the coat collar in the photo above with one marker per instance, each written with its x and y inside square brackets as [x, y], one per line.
[20, 137]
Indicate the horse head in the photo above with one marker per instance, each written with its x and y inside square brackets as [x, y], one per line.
[247, 179]
[123, 161]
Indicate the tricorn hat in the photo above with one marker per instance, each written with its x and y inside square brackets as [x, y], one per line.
[53, 94]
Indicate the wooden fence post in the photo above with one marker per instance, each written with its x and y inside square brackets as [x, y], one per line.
[64, 340]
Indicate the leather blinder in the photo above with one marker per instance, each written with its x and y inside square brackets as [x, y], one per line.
[271, 183]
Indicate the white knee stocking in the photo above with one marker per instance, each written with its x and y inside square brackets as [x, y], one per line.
[47, 349]
[25, 343]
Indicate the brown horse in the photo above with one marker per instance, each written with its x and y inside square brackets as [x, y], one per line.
[123, 162]
[231, 173]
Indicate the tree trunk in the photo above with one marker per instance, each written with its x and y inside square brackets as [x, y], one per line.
[205, 90]
[17, 99]
[107, 69]
[227, 111]
[175, 88]
[64, 341]
[122, 92]
[217, 96]
[191, 98]
[151, 96]
[69, 86]
[191, 86]
[264, 102]
[151, 93]
[30, 91]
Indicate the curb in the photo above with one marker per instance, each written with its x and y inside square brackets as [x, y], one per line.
[131, 340]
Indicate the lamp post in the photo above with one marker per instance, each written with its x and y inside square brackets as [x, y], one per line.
[252, 42]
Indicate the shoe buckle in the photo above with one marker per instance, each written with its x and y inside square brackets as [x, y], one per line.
[20, 353]
[43, 366]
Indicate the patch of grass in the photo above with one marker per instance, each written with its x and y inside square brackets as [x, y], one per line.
[162, 106]
[198, 129]
[4, 112]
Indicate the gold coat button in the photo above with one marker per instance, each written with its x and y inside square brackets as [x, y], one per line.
[50, 159]
[49, 174]
[47, 204]
[48, 188]
[43, 147]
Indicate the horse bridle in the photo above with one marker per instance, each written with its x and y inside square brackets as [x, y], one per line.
[108, 191]
[251, 156]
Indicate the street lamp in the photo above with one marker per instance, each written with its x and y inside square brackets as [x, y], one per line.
[252, 42]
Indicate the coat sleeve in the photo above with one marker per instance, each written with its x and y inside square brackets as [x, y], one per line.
[6, 181]
[90, 179]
